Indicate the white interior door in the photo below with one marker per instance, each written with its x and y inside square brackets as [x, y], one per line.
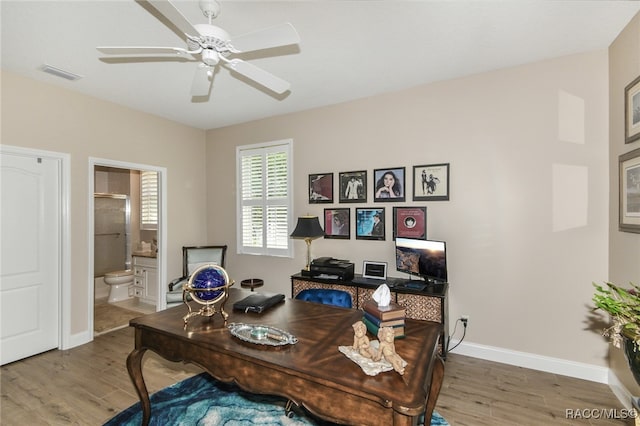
[30, 253]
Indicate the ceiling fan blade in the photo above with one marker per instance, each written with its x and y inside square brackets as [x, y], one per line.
[142, 50]
[170, 12]
[259, 75]
[280, 35]
[201, 81]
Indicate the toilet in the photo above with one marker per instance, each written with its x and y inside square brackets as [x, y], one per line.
[119, 283]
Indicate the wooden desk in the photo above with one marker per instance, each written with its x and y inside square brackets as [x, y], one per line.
[311, 373]
[431, 304]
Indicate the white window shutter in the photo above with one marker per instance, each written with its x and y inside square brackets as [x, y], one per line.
[264, 200]
[149, 200]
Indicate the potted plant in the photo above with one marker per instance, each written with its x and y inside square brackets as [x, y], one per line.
[623, 305]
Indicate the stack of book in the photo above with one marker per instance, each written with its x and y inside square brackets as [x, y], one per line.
[384, 316]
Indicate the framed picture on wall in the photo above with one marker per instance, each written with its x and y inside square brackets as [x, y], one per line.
[431, 182]
[630, 191]
[388, 184]
[632, 111]
[353, 187]
[410, 222]
[321, 188]
[337, 223]
[370, 224]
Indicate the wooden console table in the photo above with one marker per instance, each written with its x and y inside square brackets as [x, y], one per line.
[311, 373]
[430, 304]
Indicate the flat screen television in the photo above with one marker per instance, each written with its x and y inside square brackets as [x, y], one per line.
[426, 258]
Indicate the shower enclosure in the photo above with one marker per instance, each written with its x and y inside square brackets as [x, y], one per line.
[112, 238]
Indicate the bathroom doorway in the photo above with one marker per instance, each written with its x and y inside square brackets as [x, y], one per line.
[125, 230]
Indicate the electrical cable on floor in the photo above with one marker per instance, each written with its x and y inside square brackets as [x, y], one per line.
[464, 333]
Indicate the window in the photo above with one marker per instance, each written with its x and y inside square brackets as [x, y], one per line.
[264, 198]
[149, 200]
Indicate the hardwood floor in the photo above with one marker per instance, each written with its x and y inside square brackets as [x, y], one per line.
[89, 384]
[110, 316]
[478, 392]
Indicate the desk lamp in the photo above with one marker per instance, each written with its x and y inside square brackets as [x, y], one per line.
[307, 229]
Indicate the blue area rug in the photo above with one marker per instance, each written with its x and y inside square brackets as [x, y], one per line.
[202, 400]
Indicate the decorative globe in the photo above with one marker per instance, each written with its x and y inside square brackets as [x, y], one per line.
[210, 278]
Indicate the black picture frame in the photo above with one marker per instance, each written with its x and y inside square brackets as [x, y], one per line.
[320, 188]
[410, 222]
[383, 194]
[431, 182]
[337, 223]
[367, 227]
[632, 111]
[352, 187]
[629, 169]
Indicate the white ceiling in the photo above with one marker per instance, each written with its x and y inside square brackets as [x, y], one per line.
[349, 49]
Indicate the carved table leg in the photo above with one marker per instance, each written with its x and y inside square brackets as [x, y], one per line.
[134, 366]
[436, 383]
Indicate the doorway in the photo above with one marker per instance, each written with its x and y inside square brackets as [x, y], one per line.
[121, 234]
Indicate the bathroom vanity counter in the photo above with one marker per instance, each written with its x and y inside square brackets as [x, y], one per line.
[152, 254]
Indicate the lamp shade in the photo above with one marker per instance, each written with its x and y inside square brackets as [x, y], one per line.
[308, 227]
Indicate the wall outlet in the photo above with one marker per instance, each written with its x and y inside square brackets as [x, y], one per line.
[464, 318]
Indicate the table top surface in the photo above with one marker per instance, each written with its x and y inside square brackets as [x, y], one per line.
[320, 329]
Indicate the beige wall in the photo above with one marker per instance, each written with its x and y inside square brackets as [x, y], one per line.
[526, 225]
[624, 247]
[41, 116]
[527, 222]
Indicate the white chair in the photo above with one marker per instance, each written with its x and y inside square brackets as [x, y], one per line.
[193, 258]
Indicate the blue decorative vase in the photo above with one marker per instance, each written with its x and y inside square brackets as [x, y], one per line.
[632, 354]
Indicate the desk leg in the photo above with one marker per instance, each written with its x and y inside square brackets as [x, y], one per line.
[134, 366]
[436, 384]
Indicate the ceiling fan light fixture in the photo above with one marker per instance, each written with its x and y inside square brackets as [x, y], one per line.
[210, 57]
[213, 44]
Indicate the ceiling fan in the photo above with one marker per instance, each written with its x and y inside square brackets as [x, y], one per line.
[212, 45]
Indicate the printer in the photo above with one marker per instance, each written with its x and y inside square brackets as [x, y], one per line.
[335, 268]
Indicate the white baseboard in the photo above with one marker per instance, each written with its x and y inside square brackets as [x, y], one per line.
[535, 362]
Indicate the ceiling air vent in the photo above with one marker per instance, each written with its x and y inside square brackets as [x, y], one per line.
[60, 73]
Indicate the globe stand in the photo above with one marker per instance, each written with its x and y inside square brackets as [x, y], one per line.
[208, 285]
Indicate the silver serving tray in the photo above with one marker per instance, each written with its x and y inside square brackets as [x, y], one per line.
[262, 334]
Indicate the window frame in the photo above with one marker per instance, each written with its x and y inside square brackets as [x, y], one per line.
[263, 149]
[145, 199]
